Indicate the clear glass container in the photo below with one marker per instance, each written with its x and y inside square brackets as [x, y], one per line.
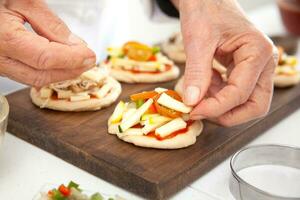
[266, 172]
[4, 110]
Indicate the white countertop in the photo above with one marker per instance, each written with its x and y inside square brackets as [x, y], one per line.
[24, 168]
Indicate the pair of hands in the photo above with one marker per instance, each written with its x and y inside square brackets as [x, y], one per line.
[210, 28]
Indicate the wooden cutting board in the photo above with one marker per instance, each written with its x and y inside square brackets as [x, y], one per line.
[82, 139]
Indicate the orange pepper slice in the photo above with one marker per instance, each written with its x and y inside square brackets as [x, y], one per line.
[167, 112]
[143, 95]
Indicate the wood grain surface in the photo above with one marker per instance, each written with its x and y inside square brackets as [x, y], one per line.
[82, 139]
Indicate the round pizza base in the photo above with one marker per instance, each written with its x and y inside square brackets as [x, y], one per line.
[129, 77]
[85, 105]
[177, 142]
[282, 81]
[172, 51]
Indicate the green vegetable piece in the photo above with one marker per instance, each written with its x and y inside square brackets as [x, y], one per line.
[57, 195]
[139, 103]
[121, 56]
[111, 198]
[96, 196]
[120, 129]
[155, 49]
[108, 57]
[74, 185]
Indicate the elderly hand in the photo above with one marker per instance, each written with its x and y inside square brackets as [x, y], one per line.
[219, 28]
[51, 54]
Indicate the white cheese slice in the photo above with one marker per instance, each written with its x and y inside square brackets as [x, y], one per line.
[171, 103]
[171, 127]
[114, 51]
[79, 97]
[46, 93]
[160, 90]
[128, 64]
[128, 113]
[94, 74]
[148, 127]
[64, 94]
[152, 123]
[103, 91]
[158, 119]
[118, 113]
[132, 131]
[135, 117]
[148, 116]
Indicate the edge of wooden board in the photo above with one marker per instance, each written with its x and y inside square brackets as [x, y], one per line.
[140, 186]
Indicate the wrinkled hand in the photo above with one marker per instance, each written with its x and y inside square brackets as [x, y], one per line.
[218, 28]
[50, 54]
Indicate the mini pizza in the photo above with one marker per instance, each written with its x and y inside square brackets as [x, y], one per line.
[155, 119]
[92, 90]
[286, 73]
[174, 49]
[139, 63]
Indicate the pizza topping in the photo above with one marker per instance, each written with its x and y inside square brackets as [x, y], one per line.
[170, 127]
[132, 131]
[138, 58]
[73, 192]
[287, 64]
[167, 112]
[153, 123]
[80, 97]
[90, 84]
[143, 95]
[118, 113]
[135, 117]
[137, 51]
[172, 103]
[160, 90]
[160, 111]
[46, 92]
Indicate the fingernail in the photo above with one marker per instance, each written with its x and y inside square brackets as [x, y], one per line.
[74, 39]
[191, 95]
[89, 62]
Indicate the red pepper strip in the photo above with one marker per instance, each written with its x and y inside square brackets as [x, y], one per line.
[64, 190]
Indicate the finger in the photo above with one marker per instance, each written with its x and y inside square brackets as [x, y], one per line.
[199, 47]
[38, 52]
[258, 104]
[241, 83]
[45, 22]
[23, 73]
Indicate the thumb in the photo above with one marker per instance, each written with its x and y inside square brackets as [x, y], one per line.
[45, 22]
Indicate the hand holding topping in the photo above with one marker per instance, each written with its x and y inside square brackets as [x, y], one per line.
[51, 54]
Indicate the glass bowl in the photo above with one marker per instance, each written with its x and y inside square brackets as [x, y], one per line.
[266, 172]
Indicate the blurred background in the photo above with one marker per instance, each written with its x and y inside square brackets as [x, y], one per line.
[103, 23]
[111, 22]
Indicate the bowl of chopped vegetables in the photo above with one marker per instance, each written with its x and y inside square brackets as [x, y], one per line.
[71, 191]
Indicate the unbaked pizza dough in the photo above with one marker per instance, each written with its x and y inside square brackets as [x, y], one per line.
[106, 88]
[179, 141]
[282, 81]
[130, 77]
